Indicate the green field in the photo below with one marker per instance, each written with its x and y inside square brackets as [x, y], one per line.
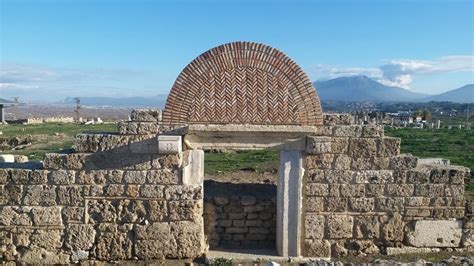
[51, 137]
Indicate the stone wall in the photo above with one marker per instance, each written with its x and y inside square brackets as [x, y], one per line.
[361, 196]
[240, 216]
[113, 199]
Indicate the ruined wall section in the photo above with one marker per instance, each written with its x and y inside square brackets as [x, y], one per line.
[361, 196]
[113, 199]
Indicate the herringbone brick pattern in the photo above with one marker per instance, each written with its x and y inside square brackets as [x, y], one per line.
[243, 82]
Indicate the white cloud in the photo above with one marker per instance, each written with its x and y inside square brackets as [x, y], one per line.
[400, 72]
[14, 86]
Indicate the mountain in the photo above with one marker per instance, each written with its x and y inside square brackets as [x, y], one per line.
[465, 94]
[157, 101]
[2, 101]
[362, 88]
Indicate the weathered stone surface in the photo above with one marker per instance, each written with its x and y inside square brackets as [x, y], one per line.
[314, 204]
[63, 177]
[339, 226]
[389, 204]
[352, 190]
[318, 145]
[342, 162]
[101, 211]
[189, 238]
[113, 243]
[40, 195]
[184, 192]
[361, 204]
[71, 195]
[403, 161]
[336, 204]
[154, 241]
[135, 177]
[436, 233]
[44, 256]
[13, 194]
[389, 147]
[146, 115]
[314, 226]
[317, 190]
[317, 248]
[79, 236]
[13, 215]
[164, 177]
[392, 228]
[19, 176]
[362, 147]
[400, 190]
[185, 210]
[340, 145]
[73, 214]
[319, 161]
[391, 251]
[374, 176]
[38, 177]
[46, 215]
[158, 210]
[46, 239]
[347, 131]
[152, 191]
[366, 227]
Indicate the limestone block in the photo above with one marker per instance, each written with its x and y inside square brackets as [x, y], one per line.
[13, 194]
[170, 161]
[374, 190]
[389, 147]
[146, 115]
[164, 177]
[380, 163]
[76, 161]
[47, 239]
[362, 147]
[79, 236]
[318, 145]
[221, 201]
[339, 226]
[352, 190]
[362, 163]
[455, 191]
[40, 195]
[389, 204]
[361, 204]
[54, 161]
[314, 226]
[314, 175]
[391, 251]
[113, 243]
[374, 176]
[347, 131]
[4, 176]
[185, 210]
[339, 176]
[158, 210]
[14, 215]
[318, 161]
[417, 201]
[400, 190]
[73, 214]
[317, 190]
[189, 236]
[435, 233]
[317, 248]
[36, 255]
[419, 175]
[131, 211]
[403, 161]
[71, 195]
[392, 228]
[152, 191]
[91, 177]
[336, 204]
[366, 227]
[62, 177]
[372, 131]
[43, 216]
[101, 211]
[183, 192]
[247, 200]
[19, 176]
[135, 177]
[337, 119]
[339, 145]
[314, 204]
[79, 255]
[430, 190]
[342, 162]
[114, 176]
[38, 177]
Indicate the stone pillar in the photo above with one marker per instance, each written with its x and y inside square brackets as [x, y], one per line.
[290, 174]
[2, 114]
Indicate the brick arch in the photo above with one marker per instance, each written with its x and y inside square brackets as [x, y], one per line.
[243, 83]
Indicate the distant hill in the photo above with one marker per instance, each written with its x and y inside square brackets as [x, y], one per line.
[126, 102]
[4, 101]
[465, 94]
[362, 88]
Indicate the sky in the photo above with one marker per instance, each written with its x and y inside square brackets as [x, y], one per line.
[50, 50]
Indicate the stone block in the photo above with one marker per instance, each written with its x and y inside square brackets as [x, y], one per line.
[336, 204]
[347, 131]
[314, 204]
[183, 192]
[314, 175]
[15, 215]
[403, 162]
[71, 195]
[79, 236]
[19, 176]
[400, 190]
[33, 256]
[392, 251]
[185, 210]
[389, 147]
[113, 243]
[13, 194]
[73, 214]
[114, 190]
[247, 200]
[430, 190]
[164, 177]
[436, 233]
[146, 115]
[38, 177]
[46, 239]
[362, 147]
[455, 191]
[40, 195]
[91, 177]
[366, 227]
[352, 190]
[320, 190]
[340, 145]
[439, 175]
[339, 226]
[171, 161]
[189, 238]
[317, 248]
[4, 176]
[342, 162]
[221, 201]
[135, 177]
[417, 201]
[389, 204]
[101, 211]
[314, 226]
[62, 177]
[318, 145]
[46, 216]
[337, 119]
[372, 131]
[361, 204]
[419, 175]
[152, 191]
[392, 228]
[362, 163]
[158, 210]
[374, 190]
[374, 176]
[115, 176]
[319, 161]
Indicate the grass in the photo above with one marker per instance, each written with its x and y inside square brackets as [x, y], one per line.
[255, 161]
[50, 137]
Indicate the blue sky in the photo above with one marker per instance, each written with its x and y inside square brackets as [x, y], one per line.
[53, 49]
